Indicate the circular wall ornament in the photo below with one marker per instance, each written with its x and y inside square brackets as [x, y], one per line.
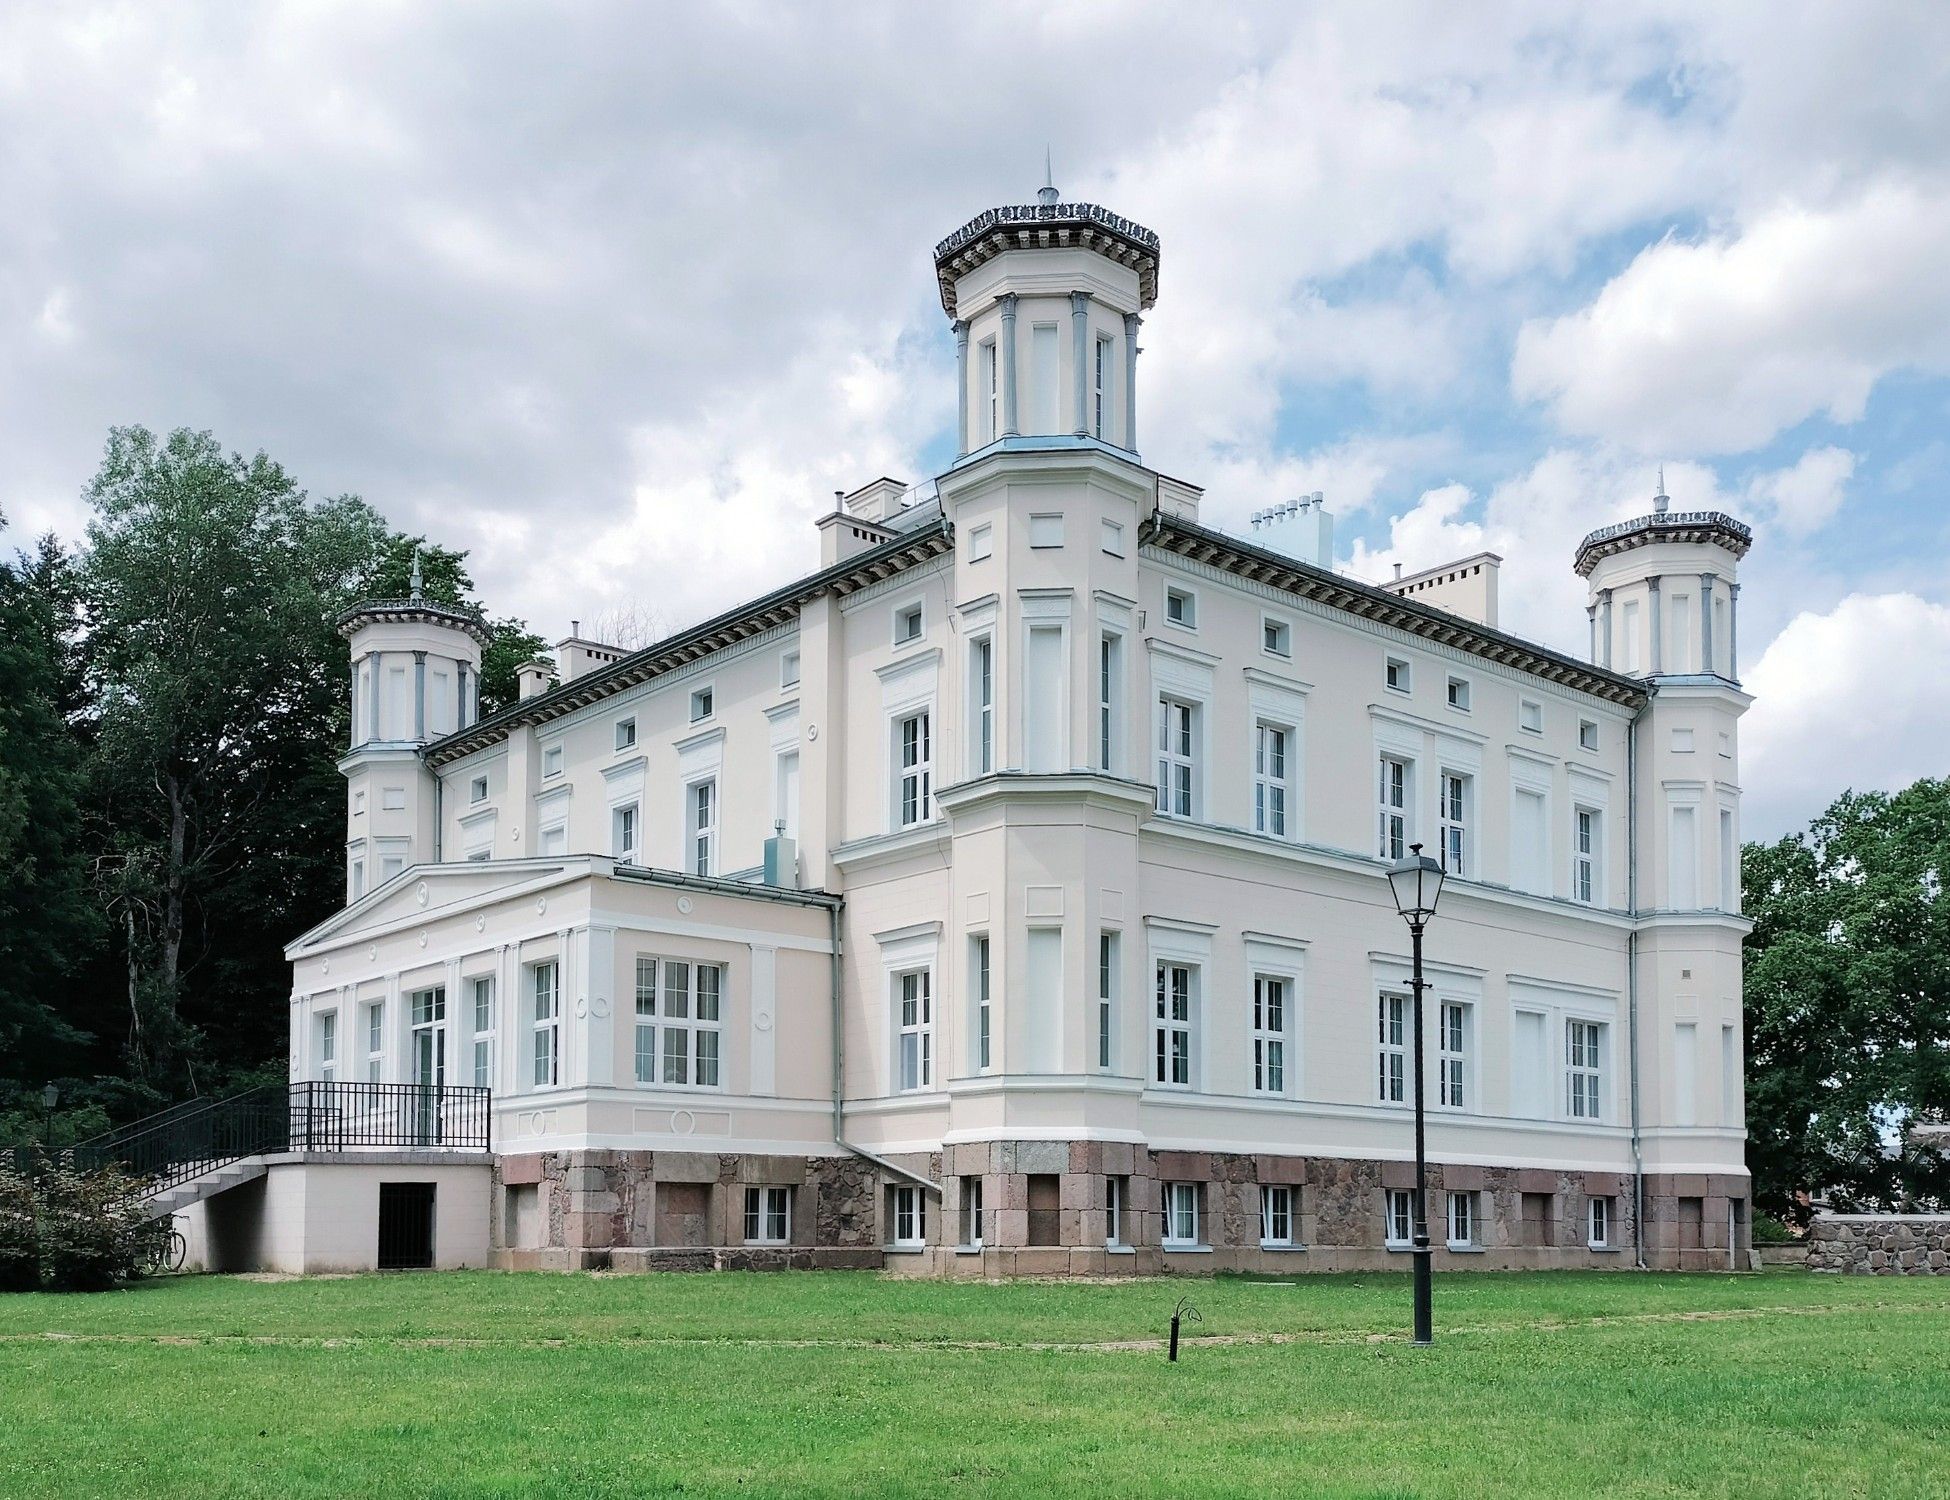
[372, 951]
[762, 1020]
[423, 940]
[582, 1009]
[326, 967]
[812, 731]
[420, 893]
[480, 923]
[599, 1007]
[684, 904]
[541, 904]
[683, 1122]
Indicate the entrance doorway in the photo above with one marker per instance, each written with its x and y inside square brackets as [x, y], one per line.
[405, 1226]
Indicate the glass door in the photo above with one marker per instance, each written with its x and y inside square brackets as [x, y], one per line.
[429, 1063]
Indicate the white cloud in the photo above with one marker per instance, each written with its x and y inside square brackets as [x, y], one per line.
[1847, 699]
[1718, 345]
[1804, 497]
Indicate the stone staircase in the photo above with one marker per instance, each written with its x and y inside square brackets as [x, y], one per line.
[217, 1179]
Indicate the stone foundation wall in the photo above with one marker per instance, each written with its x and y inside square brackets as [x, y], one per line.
[1045, 1212]
[1880, 1244]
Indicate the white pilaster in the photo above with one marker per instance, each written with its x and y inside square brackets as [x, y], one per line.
[764, 1019]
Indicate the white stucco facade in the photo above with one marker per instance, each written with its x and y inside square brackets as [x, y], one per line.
[1080, 898]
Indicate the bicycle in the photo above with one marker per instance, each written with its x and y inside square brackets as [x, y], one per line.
[168, 1253]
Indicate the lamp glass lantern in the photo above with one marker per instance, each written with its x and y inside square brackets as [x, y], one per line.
[1417, 883]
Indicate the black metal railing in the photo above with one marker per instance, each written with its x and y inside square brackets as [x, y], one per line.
[183, 1143]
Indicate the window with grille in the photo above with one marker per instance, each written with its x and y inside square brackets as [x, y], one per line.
[679, 1022]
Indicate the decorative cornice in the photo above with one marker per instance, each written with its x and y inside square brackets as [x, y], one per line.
[413, 612]
[1216, 549]
[1712, 526]
[1047, 226]
[782, 605]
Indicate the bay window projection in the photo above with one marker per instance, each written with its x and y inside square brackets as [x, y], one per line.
[1392, 1044]
[679, 1022]
[1584, 857]
[909, 1212]
[1181, 1216]
[1172, 1027]
[328, 1046]
[1452, 1055]
[1106, 998]
[914, 740]
[981, 705]
[375, 1041]
[481, 992]
[1270, 747]
[1276, 1216]
[1269, 1034]
[1398, 1218]
[545, 1026]
[1583, 1068]
[1462, 1221]
[1454, 830]
[979, 981]
[768, 1215]
[1393, 797]
[914, 1031]
[702, 832]
[1177, 760]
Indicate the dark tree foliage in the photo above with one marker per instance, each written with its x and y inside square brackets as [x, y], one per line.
[1848, 1005]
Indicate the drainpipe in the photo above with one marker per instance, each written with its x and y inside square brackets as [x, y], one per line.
[839, 1078]
[1632, 968]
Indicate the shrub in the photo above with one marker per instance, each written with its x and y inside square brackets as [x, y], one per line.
[20, 1269]
[90, 1230]
[1769, 1230]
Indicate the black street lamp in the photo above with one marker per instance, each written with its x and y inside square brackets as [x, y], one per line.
[1417, 882]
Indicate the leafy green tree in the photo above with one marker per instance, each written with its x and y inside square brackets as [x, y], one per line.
[1848, 1004]
[48, 922]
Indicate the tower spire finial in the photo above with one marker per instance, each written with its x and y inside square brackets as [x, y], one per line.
[1661, 500]
[418, 582]
[1047, 193]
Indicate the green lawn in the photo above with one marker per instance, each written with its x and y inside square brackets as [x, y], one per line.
[855, 1385]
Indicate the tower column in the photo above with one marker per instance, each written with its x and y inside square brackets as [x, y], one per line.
[1079, 336]
[1733, 631]
[1706, 622]
[1657, 618]
[961, 386]
[1591, 620]
[1131, 324]
[1604, 614]
[419, 695]
[1008, 303]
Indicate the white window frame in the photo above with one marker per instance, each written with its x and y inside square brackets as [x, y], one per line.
[981, 703]
[1185, 600]
[1108, 944]
[477, 791]
[1454, 1021]
[1398, 1218]
[1598, 1222]
[1530, 716]
[1109, 697]
[981, 987]
[981, 542]
[623, 737]
[908, 1221]
[1394, 805]
[427, 1016]
[910, 621]
[1181, 1210]
[701, 816]
[1394, 1032]
[988, 366]
[1588, 735]
[551, 761]
[1169, 1028]
[790, 664]
[1116, 1210]
[1276, 1214]
[1454, 793]
[1585, 1042]
[704, 702]
[545, 1024]
[1276, 637]
[1177, 745]
[1398, 675]
[1101, 376]
[480, 1007]
[625, 831]
[375, 1041]
[911, 1005]
[1460, 1214]
[1459, 693]
[768, 1215]
[914, 767]
[1272, 1032]
[971, 1213]
[680, 1027]
[553, 839]
[1273, 777]
[328, 1045]
[1111, 538]
[1587, 855]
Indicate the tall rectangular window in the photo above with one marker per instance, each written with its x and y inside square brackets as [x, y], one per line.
[1181, 1214]
[916, 790]
[1629, 642]
[979, 982]
[1455, 821]
[914, 1024]
[991, 385]
[768, 1215]
[1270, 746]
[1398, 1217]
[1452, 1056]
[1393, 799]
[1100, 388]
[910, 1216]
[1598, 1223]
[1116, 1207]
[679, 1022]
[981, 704]
[1583, 1065]
[1172, 1027]
[375, 1041]
[1110, 651]
[1106, 999]
[1177, 762]
[428, 1016]
[1046, 394]
[1269, 1034]
[328, 1046]
[971, 1213]
[1729, 863]
[1392, 1011]
[545, 1025]
[1682, 876]
[704, 827]
[1276, 1215]
[1462, 1221]
[1045, 734]
[483, 1007]
[1584, 858]
[622, 833]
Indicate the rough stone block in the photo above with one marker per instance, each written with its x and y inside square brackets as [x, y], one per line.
[1011, 1226]
[1183, 1166]
[1398, 1174]
[1457, 1178]
[1120, 1158]
[1281, 1169]
[1536, 1180]
[1043, 1157]
[521, 1170]
[686, 1166]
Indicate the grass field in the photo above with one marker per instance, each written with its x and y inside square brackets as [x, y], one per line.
[850, 1384]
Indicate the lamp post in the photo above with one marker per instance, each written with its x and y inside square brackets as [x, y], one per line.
[1417, 883]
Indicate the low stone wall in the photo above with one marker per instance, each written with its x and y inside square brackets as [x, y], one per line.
[1880, 1244]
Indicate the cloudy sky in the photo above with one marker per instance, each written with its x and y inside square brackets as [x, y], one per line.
[617, 296]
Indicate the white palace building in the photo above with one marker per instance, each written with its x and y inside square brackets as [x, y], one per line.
[1008, 896]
